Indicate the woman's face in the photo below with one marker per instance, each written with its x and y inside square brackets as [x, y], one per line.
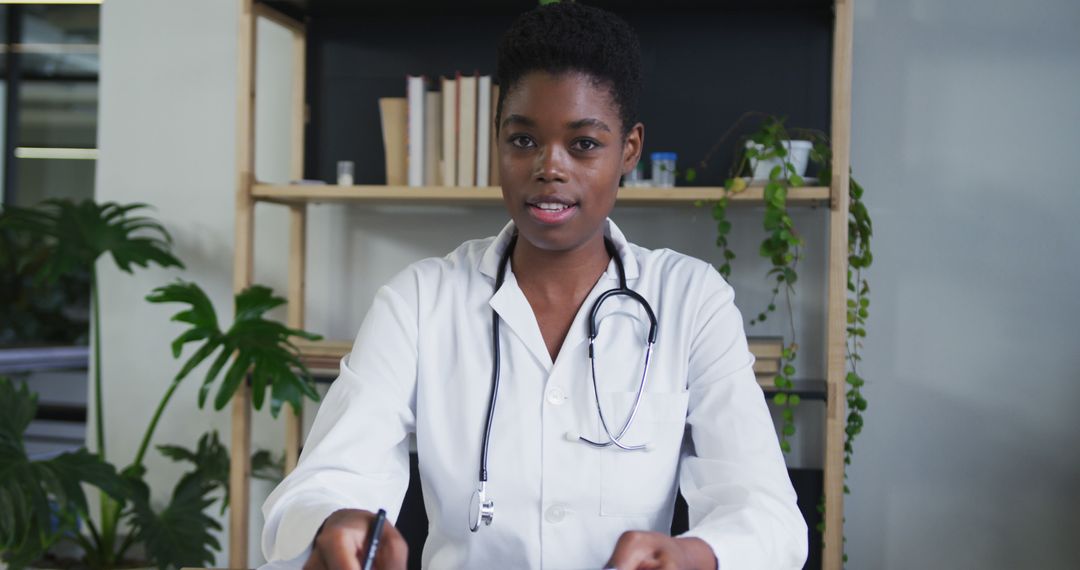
[561, 153]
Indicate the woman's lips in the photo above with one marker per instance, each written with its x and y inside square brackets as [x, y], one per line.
[550, 216]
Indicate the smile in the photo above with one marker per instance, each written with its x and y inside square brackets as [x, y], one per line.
[551, 213]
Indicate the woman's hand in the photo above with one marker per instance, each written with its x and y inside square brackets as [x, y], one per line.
[342, 542]
[639, 550]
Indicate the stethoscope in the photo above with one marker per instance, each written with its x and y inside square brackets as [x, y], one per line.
[482, 507]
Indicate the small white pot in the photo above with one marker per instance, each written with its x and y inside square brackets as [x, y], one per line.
[798, 155]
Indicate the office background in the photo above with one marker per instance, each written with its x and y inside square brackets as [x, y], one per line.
[964, 128]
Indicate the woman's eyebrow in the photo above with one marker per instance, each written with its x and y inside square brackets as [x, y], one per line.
[589, 122]
[572, 125]
[518, 120]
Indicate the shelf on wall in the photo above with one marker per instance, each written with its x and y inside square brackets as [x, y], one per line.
[322, 358]
[804, 389]
[381, 194]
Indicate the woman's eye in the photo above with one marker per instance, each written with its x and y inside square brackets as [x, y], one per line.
[520, 141]
[586, 144]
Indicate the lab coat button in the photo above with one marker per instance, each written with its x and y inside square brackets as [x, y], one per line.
[556, 396]
[555, 514]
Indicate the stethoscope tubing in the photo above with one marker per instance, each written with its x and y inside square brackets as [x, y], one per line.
[485, 506]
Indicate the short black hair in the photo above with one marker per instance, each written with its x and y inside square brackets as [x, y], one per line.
[570, 37]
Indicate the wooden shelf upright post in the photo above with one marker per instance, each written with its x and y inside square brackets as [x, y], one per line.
[836, 333]
[243, 261]
[240, 452]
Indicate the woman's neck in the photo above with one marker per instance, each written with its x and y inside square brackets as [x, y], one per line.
[560, 274]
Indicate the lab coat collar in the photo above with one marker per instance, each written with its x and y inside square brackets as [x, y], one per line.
[489, 261]
[514, 309]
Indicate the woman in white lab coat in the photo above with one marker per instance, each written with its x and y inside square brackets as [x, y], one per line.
[424, 356]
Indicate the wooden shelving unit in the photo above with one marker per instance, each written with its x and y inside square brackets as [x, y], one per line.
[300, 194]
[249, 191]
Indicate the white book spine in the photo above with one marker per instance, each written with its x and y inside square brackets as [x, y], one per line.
[449, 132]
[483, 130]
[415, 94]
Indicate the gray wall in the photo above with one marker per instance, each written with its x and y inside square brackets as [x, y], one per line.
[965, 113]
[960, 117]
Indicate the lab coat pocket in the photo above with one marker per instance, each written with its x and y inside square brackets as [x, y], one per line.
[634, 483]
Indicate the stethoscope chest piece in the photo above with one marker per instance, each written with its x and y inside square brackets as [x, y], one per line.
[481, 508]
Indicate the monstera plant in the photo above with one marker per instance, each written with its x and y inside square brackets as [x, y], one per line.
[42, 502]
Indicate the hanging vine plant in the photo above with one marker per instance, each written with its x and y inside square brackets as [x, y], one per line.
[860, 258]
[782, 246]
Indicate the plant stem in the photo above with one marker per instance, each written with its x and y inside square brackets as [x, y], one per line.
[105, 538]
[99, 416]
[153, 423]
[128, 541]
[98, 546]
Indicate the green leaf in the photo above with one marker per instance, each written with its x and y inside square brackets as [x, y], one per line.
[78, 233]
[266, 467]
[32, 492]
[780, 398]
[794, 399]
[181, 534]
[252, 344]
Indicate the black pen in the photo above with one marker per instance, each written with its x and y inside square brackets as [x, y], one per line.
[373, 544]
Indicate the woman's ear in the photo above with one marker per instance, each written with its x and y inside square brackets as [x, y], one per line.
[632, 145]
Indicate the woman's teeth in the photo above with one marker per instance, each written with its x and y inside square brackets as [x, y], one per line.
[551, 207]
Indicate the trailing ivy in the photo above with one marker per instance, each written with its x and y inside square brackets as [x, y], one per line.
[782, 246]
[860, 230]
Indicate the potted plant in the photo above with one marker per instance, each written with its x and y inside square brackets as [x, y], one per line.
[41, 502]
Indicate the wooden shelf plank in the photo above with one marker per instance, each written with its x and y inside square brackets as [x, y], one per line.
[322, 357]
[375, 194]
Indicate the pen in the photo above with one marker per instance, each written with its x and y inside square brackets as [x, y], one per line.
[373, 544]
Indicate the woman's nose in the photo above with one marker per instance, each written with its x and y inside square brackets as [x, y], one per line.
[550, 165]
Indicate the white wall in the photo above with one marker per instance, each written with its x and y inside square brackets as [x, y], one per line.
[959, 120]
[167, 137]
[965, 117]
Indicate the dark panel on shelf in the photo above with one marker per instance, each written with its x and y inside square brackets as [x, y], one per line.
[363, 8]
[805, 389]
[703, 69]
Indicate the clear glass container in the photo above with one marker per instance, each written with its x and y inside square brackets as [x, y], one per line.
[663, 169]
[345, 173]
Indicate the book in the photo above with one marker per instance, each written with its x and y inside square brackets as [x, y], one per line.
[766, 346]
[766, 366]
[766, 380]
[432, 138]
[466, 175]
[493, 175]
[448, 158]
[483, 129]
[394, 115]
[414, 92]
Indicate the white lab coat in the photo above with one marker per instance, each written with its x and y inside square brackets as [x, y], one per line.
[421, 363]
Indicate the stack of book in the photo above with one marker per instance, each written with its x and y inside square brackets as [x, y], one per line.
[441, 134]
[323, 358]
[768, 351]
